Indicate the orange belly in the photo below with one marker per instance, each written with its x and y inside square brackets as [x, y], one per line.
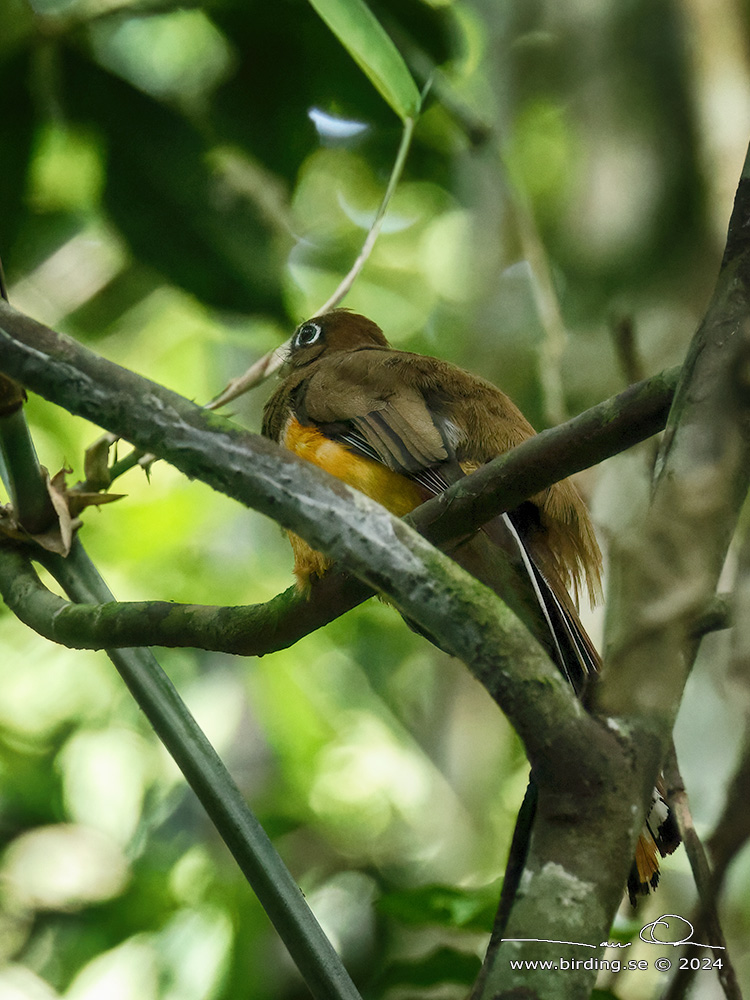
[394, 491]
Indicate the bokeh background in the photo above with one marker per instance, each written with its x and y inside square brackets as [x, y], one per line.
[181, 185]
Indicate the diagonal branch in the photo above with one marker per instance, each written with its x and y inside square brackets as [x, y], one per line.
[464, 616]
[578, 763]
[663, 573]
[575, 759]
[606, 429]
[601, 431]
[250, 630]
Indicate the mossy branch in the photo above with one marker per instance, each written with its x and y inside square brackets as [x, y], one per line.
[579, 764]
[605, 429]
[663, 575]
[429, 588]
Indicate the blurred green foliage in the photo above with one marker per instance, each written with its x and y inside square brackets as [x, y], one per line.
[181, 186]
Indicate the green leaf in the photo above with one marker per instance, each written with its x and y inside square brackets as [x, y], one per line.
[443, 905]
[169, 198]
[443, 965]
[364, 38]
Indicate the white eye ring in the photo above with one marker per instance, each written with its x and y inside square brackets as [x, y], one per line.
[307, 334]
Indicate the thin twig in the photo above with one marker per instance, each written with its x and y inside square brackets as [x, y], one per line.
[270, 363]
[733, 828]
[398, 167]
[273, 360]
[519, 849]
[706, 923]
[503, 484]
[258, 372]
[626, 348]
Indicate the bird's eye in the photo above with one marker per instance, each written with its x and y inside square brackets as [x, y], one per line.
[307, 334]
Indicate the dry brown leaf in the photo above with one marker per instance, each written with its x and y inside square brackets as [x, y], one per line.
[57, 492]
[96, 462]
[78, 501]
[68, 504]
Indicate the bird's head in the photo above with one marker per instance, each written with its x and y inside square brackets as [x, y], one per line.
[338, 330]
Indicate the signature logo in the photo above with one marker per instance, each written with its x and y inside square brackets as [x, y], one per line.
[659, 932]
[650, 935]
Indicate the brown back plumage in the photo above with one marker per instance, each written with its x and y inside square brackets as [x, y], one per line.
[415, 413]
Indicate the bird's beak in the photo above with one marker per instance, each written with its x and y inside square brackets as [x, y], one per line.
[280, 359]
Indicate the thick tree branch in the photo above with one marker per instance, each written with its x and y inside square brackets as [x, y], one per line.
[465, 617]
[578, 763]
[31, 502]
[605, 429]
[732, 829]
[706, 921]
[246, 630]
[250, 630]
[668, 565]
[663, 575]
